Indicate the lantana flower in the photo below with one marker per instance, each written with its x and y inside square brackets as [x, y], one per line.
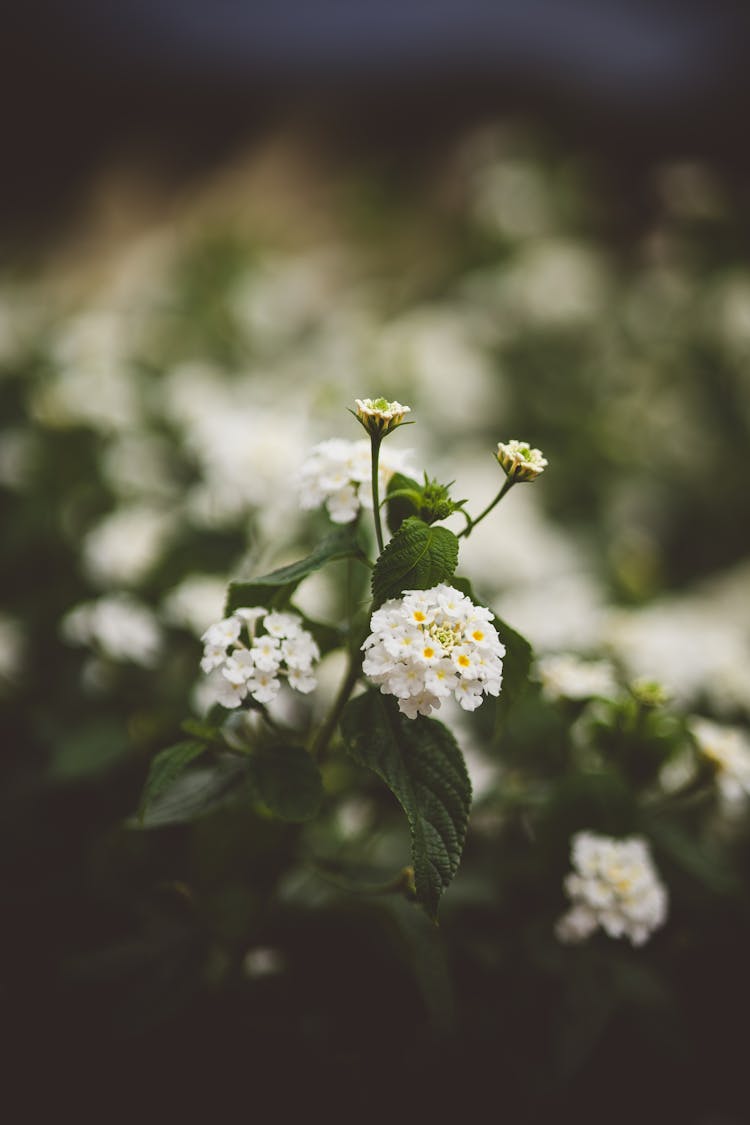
[431, 644]
[614, 886]
[519, 461]
[728, 750]
[251, 651]
[379, 416]
[338, 474]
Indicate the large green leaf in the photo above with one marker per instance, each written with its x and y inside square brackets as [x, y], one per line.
[275, 589]
[287, 781]
[417, 558]
[194, 792]
[166, 767]
[419, 761]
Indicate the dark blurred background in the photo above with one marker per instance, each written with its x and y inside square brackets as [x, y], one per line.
[179, 84]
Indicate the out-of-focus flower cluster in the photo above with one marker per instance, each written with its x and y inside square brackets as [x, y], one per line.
[250, 652]
[615, 887]
[337, 474]
[432, 644]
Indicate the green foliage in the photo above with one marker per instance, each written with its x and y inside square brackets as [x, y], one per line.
[429, 501]
[421, 764]
[275, 589]
[417, 558]
[287, 781]
[195, 792]
[166, 767]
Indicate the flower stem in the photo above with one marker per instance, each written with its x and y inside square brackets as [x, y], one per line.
[324, 735]
[375, 440]
[509, 482]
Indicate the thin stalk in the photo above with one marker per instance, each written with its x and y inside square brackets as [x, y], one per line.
[324, 735]
[375, 440]
[509, 482]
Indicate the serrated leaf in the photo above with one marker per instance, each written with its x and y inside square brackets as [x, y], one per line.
[275, 589]
[287, 781]
[166, 766]
[420, 762]
[193, 793]
[417, 558]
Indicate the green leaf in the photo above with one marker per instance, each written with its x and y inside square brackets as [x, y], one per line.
[287, 781]
[275, 589]
[193, 793]
[419, 761]
[400, 507]
[166, 767]
[417, 558]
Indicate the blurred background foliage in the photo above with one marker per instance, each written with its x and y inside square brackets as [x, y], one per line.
[166, 362]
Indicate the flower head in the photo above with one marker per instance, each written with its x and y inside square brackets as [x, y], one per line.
[249, 653]
[431, 644]
[519, 461]
[379, 416]
[728, 750]
[615, 886]
[338, 473]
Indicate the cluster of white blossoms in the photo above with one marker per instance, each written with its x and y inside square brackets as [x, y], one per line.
[430, 644]
[564, 676]
[728, 750]
[245, 661]
[614, 886]
[338, 474]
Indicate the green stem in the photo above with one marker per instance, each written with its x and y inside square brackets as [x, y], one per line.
[324, 735]
[509, 482]
[375, 440]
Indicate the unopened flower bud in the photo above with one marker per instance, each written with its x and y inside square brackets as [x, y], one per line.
[379, 416]
[519, 461]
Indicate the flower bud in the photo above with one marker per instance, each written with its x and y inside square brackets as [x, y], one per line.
[378, 416]
[519, 461]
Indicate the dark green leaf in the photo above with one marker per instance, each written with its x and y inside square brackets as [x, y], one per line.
[399, 508]
[166, 767]
[275, 589]
[194, 793]
[288, 781]
[417, 558]
[419, 761]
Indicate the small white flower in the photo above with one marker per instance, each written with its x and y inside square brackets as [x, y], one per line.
[337, 475]
[241, 661]
[430, 644]
[614, 886]
[728, 749]
[564, 676]
[519, 461]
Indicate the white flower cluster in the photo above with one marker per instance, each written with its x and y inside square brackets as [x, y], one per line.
[564, 676]
[338, 474]
[430, 644]
[728, 749]
[284, 648]
[616, 886]
[119, 626]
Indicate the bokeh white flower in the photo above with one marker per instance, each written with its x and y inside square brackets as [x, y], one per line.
[120, 627]
[251, 651]
[728, 750]
[614, 886]
[337, 474]
[564, 676]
